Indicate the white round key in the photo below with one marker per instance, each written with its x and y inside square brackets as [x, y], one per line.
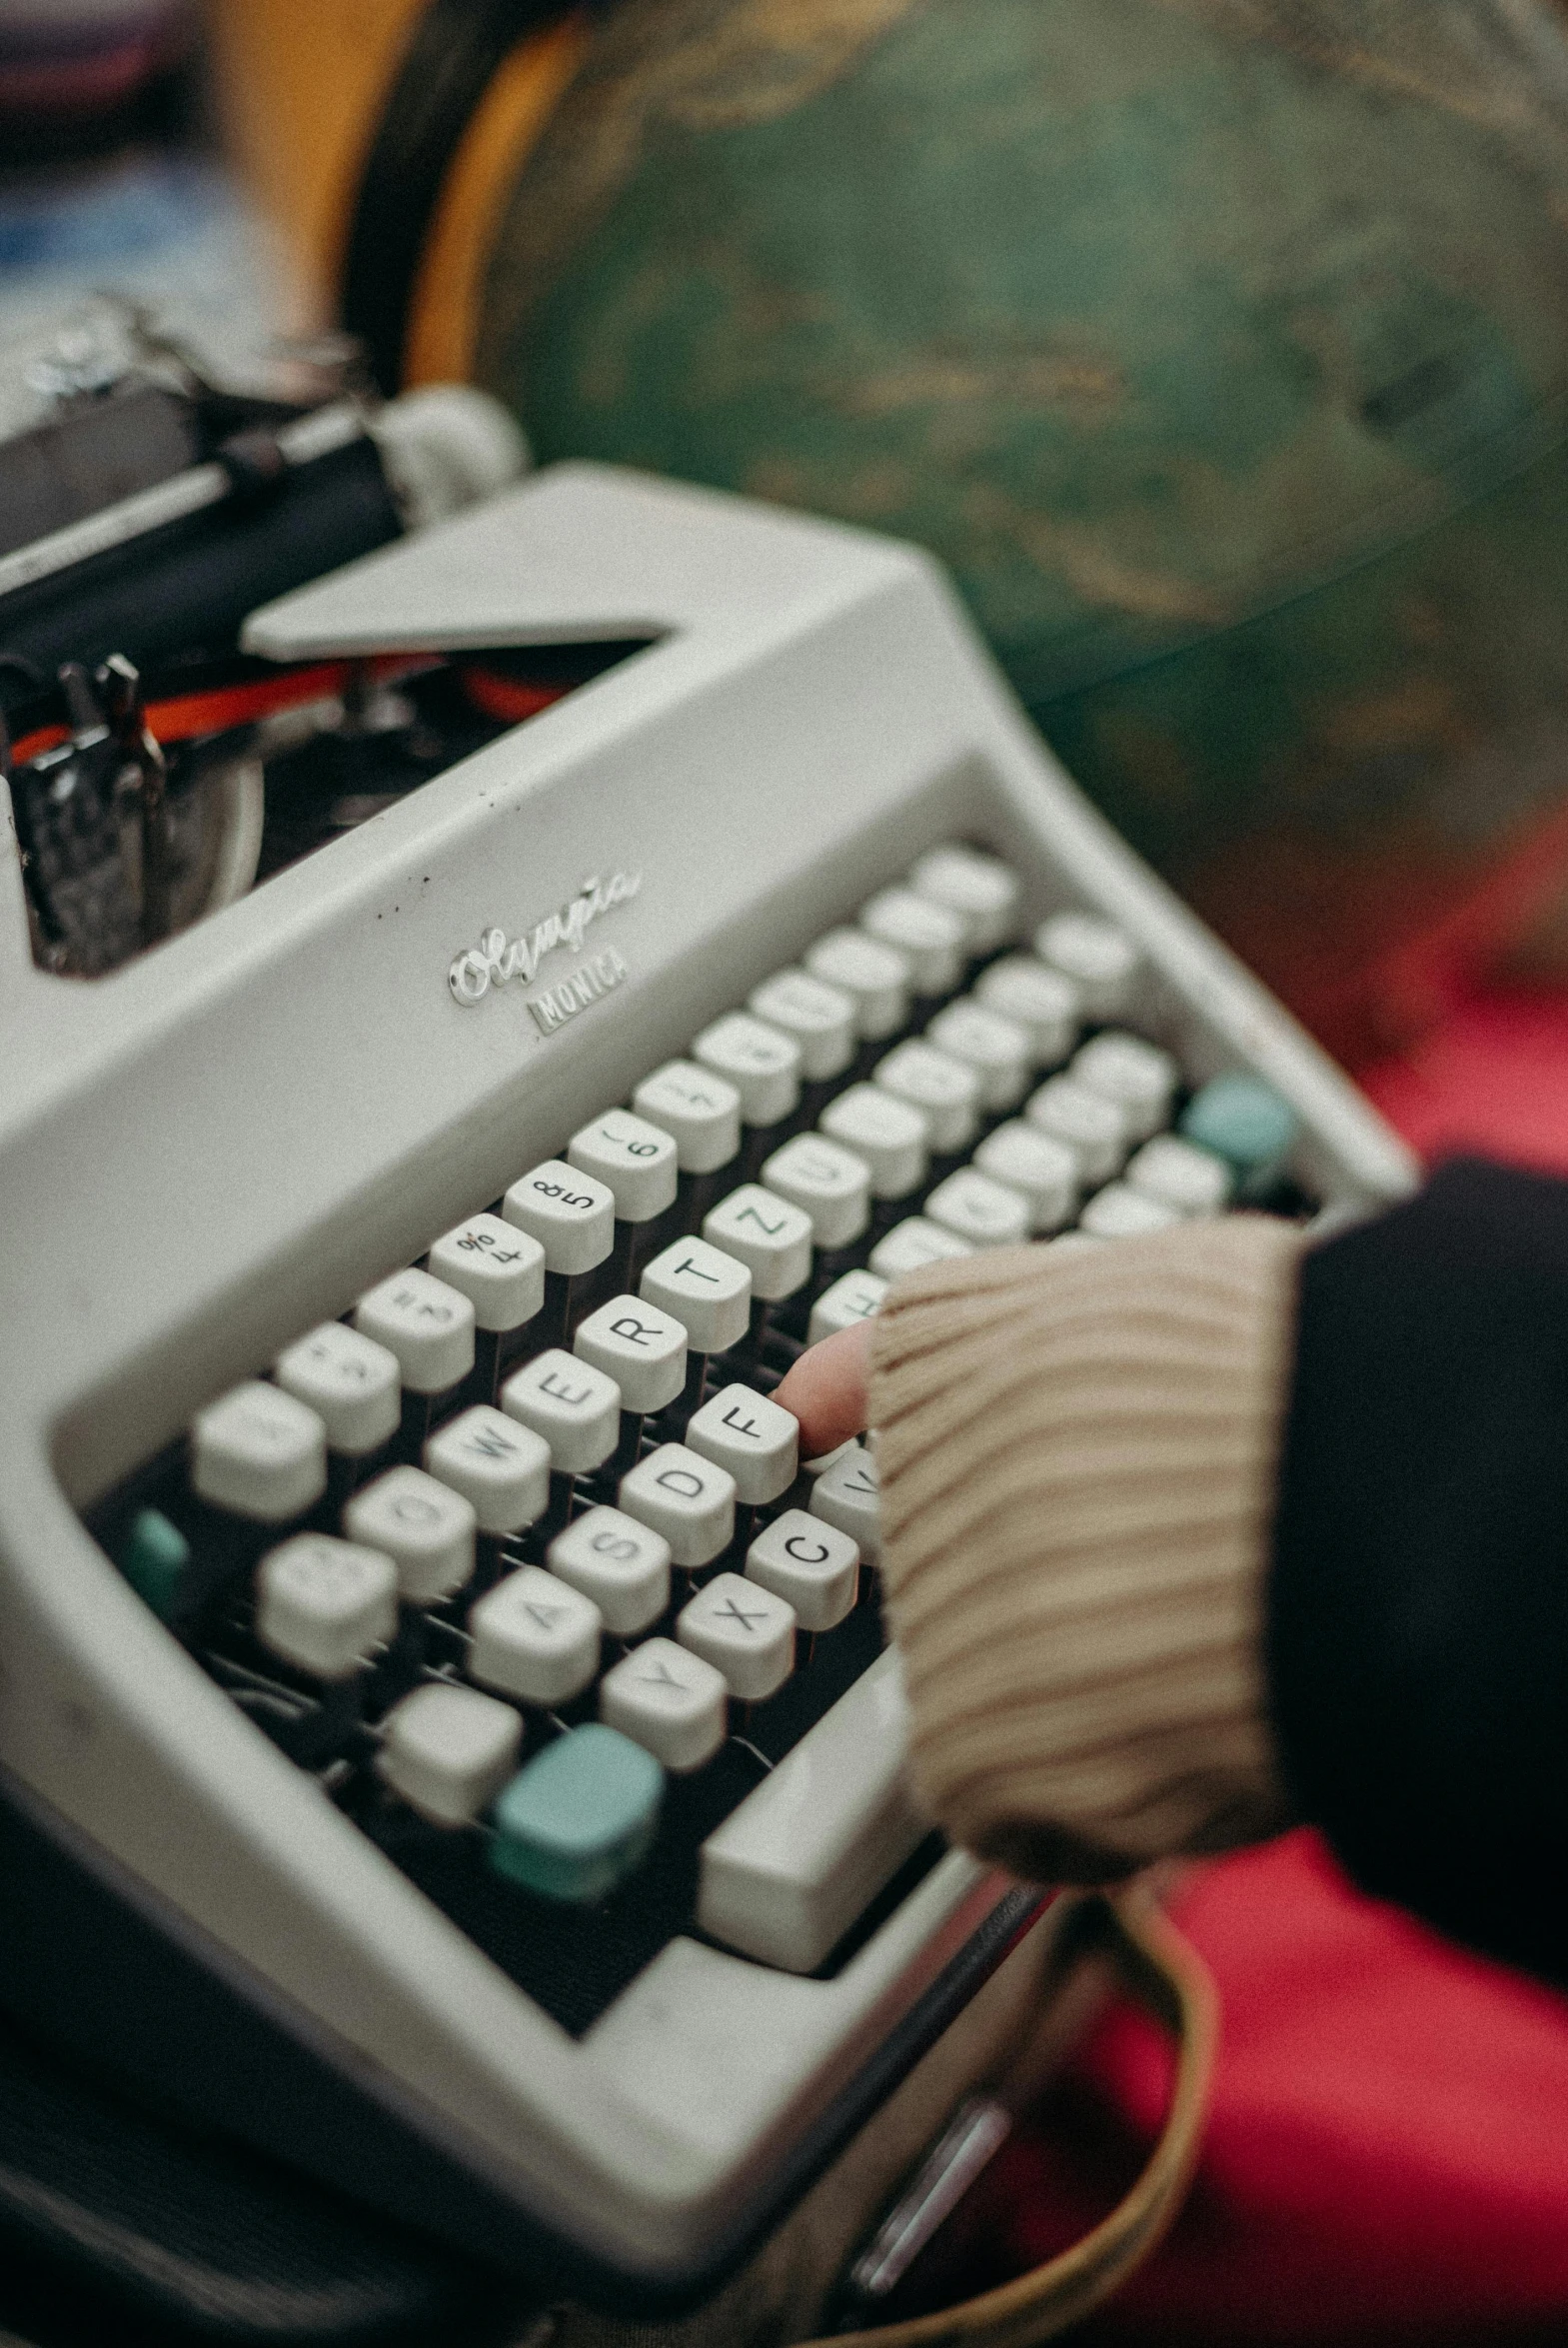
[830, 1183]
[352, 1383]
[755, 1441]
[638, 1345]
[985, 1212]
[704, 1287]
[929, 934]
[1180, 1175]
[499, 1268]
[980, 888]
[449, 1750]
[875, 978]
[1043, 1170]
[325, 1605]
[744, 1630]
[857, 1297]
[1136, 1074]
[818, 1018]
[1091, 1126]
[623, 1566]
[534, 1637]
[911, 1244]
[576, 1408]
[569, 1214]
[1121, 1212]
[887, 1132]
[422, 1526]
[636, 1161]
[945, 1091]
[847, 1495]
[996, 1048]
[808, 1564]
[686, 1498]
[669, 1701]
[499, 1467]
[427, 1326]
[699, 1109]
[258, 1453]
[766, 1234]
[1042, 1001]
[762, 1063]
[1101, 959]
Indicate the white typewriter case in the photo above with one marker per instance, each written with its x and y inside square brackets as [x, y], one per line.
[229, 1138]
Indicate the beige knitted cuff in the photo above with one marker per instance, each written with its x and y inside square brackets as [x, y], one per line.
[1076, 1449]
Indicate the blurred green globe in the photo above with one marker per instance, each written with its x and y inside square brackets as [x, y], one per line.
[1219, 347]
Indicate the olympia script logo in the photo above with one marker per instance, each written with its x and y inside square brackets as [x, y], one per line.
[498, 958]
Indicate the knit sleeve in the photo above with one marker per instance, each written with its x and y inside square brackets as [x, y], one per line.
[1077, 1450]
[1418, 1608]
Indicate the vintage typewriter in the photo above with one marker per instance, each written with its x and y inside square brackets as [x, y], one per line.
[458, 1049]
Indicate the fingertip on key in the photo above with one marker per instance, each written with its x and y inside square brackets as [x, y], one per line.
[826, 1391]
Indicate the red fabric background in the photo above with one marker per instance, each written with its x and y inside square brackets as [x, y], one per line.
[1387, 2158]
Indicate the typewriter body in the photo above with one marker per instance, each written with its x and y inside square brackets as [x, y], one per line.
[236, 1137]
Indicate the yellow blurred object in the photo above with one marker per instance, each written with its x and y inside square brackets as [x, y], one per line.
[303, 82]
[518, 104]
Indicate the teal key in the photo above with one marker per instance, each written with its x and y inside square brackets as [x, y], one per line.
[580, 1816]
[153, 1558]
[1246, 1122]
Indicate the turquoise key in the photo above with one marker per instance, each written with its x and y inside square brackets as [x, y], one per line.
[153, 1559]
[1245, 1122]
[580, 1816]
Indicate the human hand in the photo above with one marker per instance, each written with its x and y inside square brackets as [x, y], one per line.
[826, 1391]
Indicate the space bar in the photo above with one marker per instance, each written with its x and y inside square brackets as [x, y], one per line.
[790, 1869]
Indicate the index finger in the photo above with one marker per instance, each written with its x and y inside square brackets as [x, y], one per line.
[826, 1391]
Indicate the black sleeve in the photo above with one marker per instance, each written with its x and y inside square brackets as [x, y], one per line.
[1418, 1605]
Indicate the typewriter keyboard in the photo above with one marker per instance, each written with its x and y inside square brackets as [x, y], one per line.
[519, 1557]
